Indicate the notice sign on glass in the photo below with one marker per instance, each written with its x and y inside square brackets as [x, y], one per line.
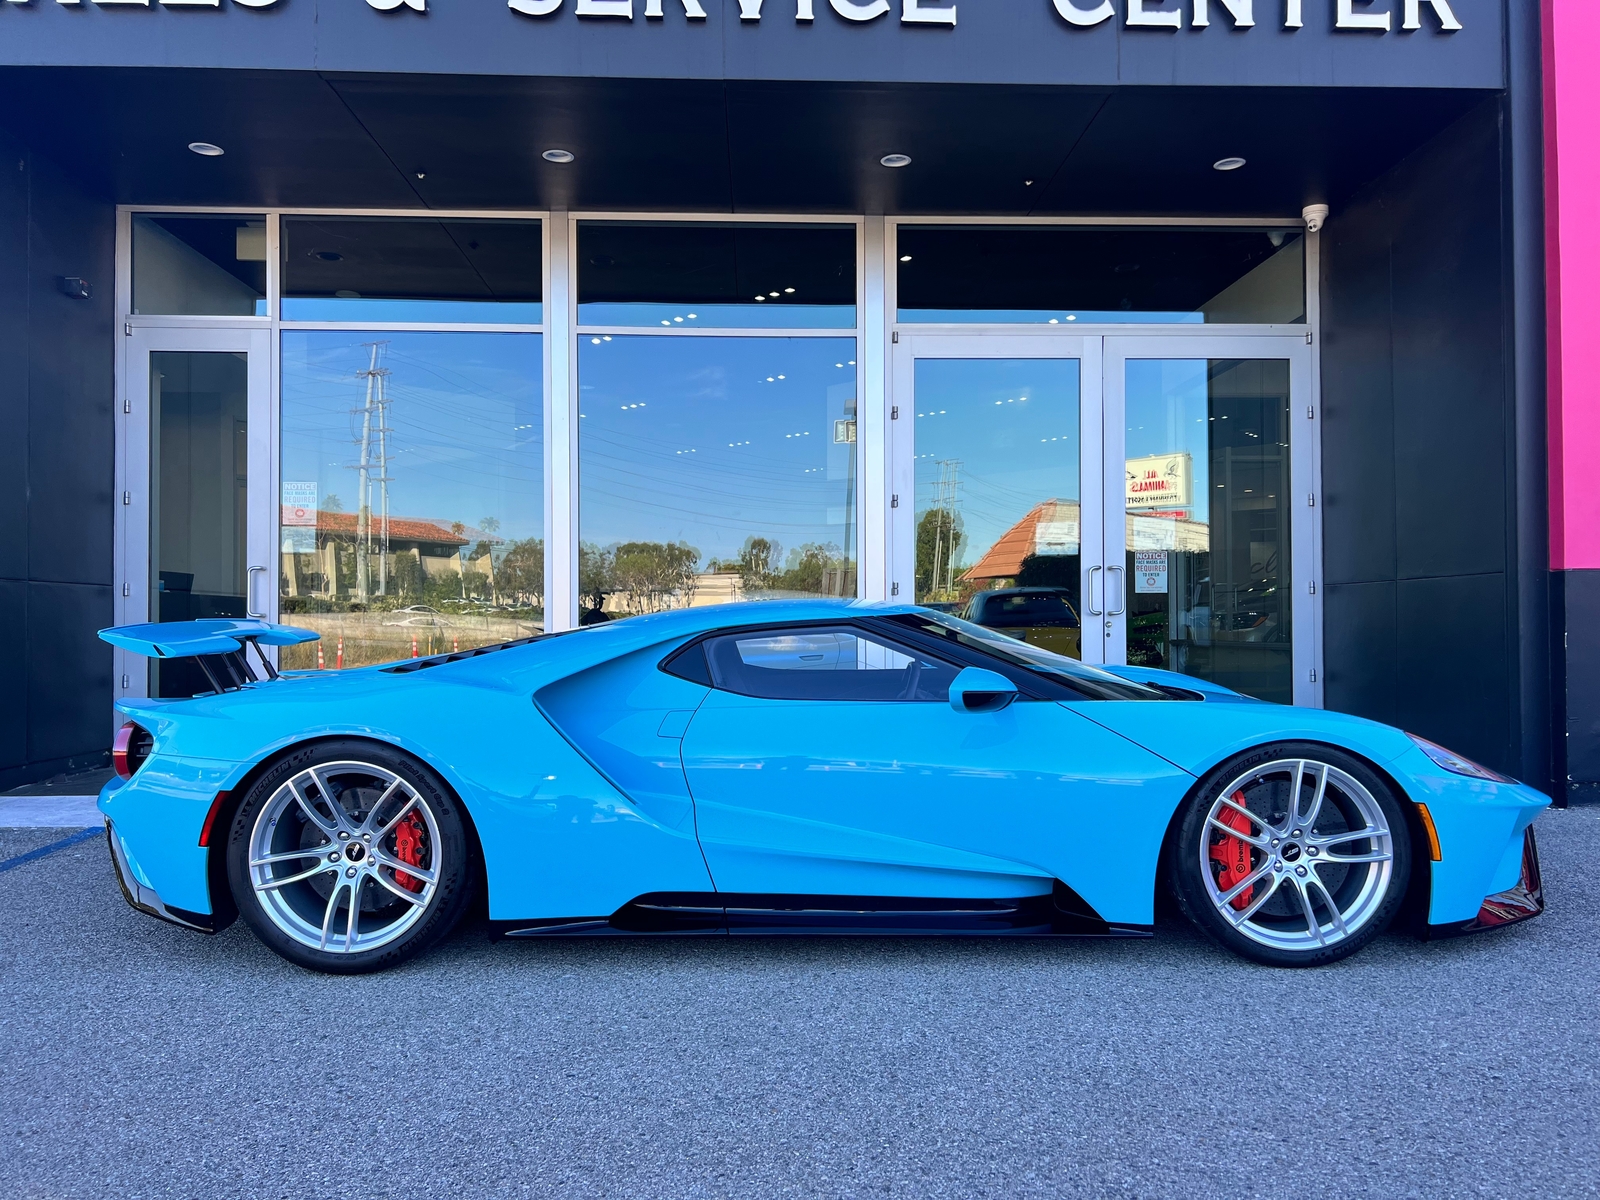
[1149, 572]
[1159, 481]
[300, 503]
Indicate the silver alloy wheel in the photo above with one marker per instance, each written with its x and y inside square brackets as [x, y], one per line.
[325, 862]
[1313, 854]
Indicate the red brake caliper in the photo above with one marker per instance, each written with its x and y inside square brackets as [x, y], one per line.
[408, 849]
[1232, 854]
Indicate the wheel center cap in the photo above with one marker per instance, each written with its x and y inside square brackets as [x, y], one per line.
[355, 851]
[1289, 853]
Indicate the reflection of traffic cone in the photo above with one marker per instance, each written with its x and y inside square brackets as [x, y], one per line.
[320, 664]
[455, 645]
[338, 662]
[413, 645]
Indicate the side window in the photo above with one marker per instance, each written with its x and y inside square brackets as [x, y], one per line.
[825, 663]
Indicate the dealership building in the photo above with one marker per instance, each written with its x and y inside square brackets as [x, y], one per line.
[1244, 338]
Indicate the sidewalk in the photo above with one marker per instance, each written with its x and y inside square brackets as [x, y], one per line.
[65, 802]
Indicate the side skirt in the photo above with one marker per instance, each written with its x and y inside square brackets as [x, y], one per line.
[1059, 913]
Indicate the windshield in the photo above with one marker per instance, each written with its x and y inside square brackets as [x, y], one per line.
[1093, 682]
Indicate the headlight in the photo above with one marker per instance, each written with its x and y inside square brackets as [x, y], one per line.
[1453, 762]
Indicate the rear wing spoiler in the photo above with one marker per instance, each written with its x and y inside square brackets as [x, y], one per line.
[217, 646]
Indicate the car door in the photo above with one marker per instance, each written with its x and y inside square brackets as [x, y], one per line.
[827, 760]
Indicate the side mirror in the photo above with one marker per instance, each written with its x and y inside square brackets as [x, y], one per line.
[976, 690]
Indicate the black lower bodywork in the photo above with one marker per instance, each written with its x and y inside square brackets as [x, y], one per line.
[1060, 912]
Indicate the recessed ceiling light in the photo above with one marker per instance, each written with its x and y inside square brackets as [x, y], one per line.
[1227, 164]
[207, 149]
[559, 156]
[905, 258]
[896, 160]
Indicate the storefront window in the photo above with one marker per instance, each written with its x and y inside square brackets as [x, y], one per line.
[1208, 521]
[412, 498]
[998, 498]
[714, 469]
[706, 275]
[1065, 275]
[199, 455]
[199, 265]
[410, 269]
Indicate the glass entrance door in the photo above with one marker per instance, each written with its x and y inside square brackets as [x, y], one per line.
[997, 496]
[1135, 500]
[194, 540]
[1211, 527]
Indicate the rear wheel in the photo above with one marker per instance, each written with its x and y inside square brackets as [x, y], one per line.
[1292, 855]
[349, 857]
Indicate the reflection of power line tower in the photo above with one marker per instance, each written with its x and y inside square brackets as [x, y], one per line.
[944, 528]
[374, 414]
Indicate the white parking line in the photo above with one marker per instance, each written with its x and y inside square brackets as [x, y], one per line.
[48, 812]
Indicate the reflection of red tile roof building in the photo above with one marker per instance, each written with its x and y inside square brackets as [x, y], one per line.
[1003, 560]
[401, 529]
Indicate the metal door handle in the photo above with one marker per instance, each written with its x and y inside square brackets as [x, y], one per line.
[1089, 602]
[1122, 592]
[250, 592]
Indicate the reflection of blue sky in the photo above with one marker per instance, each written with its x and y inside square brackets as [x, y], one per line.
[467, 433]
[711, 440]
[767, 315]
[434, 312]
[1168, 412]
[1012, 423]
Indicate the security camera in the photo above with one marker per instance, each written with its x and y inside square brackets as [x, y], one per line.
[1315, 215]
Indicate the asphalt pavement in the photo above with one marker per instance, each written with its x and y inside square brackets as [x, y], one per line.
[141, 1060]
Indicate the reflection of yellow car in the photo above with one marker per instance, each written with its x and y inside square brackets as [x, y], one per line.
[1041, 616]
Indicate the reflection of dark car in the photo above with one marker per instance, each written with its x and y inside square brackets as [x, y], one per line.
[943, 606]
[1040, 616]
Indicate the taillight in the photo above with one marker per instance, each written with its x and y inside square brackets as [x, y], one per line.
[130, 748]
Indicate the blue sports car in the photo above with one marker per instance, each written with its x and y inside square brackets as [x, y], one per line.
[785, 768]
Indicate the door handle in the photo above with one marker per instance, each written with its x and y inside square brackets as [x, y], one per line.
[250, 592]
[1122, 592]
[1089, 600]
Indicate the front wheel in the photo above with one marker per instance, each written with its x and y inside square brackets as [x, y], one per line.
[349, 857]
[1292, 855]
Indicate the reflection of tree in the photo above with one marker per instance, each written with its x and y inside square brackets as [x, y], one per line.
[650, 575]
[521, 573]
[757, 563]
[939, 540]
[808, 568]
[594, 575]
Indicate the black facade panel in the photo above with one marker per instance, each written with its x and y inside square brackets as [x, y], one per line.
[1358, 484]
[1452, 666]
[1450, 406]
[56, 469]
[70, 384]
[14, 296]
[1416, 416]
[14, 699]
[1578, 594]
[69, 674]
[1360, 649]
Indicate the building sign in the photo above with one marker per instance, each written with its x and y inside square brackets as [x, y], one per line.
[1362, 16]
[1149, 572]
[1159, 481]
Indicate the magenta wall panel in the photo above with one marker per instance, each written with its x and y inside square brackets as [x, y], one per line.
[1572, 166]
